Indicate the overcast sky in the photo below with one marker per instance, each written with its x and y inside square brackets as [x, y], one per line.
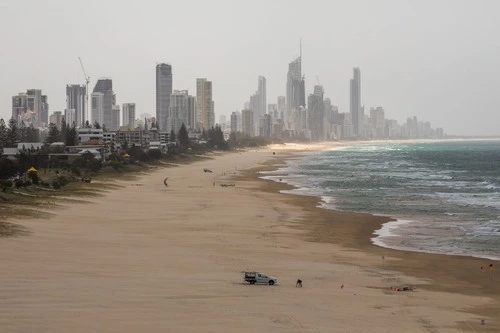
[437, 60]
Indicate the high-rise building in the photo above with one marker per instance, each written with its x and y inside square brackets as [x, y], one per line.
[70, 117]
[247, 122]
[128, 117]
[281, 107]
[179, 110]
[115, 118]
[31, 107]
[75, 99]
[316, 114]
[258, 100]
[163, 93]
[295, 93]
[56, 118]
[103, 99]
[377, 121]
[234, 122]
[205, 114]
[357, 113]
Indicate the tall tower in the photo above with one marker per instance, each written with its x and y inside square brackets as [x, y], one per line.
[128, 115]
[103, 100]
[295, 92]
[163, 92]
[75, 100]
[356, 110]
[205, 115]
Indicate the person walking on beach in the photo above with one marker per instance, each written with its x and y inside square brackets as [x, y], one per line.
[299, 283]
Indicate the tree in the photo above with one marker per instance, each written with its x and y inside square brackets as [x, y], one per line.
[32, 134]
[3, 133]
[71, 136]
[64, 129]
[172, 136]
[12, 134]
[183, 136]
[22, 131]
[87, 124]
[54, 134]
[145, 124]
[8, 168]
[97, 125]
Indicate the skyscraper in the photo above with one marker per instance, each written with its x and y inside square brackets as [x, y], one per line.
[258, 100]
[179, 110]
[75, 99]
[32, 108]
[163, 93]
[128, 117]
[355, 106]
[247, 122]
[295, 93]
[316, 114]
[103, 100]
[205, 115]
[115, 118]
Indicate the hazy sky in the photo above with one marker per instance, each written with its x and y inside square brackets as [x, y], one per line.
[437, 60]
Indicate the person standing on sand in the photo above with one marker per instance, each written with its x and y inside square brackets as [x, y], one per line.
[299, 283]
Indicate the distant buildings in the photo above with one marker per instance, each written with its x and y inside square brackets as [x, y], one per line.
[247, 122]
[163, 93]
[103, 99]
[182, 108]
[75, 100]
[316, 114]
[31, 108]
[56, 118]
[258, 101]
[205, 115]
[128, 116]
[295, 94]
[357, 113]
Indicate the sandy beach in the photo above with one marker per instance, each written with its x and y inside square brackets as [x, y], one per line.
[150, 258]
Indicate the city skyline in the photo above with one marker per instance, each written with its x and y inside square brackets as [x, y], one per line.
[442, 71]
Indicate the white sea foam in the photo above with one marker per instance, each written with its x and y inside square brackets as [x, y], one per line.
[388, 230]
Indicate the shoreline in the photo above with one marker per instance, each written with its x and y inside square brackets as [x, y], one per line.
[445, 272]
[146, 257]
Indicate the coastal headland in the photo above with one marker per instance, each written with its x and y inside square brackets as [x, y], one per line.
[149, 257]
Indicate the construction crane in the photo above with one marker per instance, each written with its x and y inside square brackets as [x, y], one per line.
[87, 80]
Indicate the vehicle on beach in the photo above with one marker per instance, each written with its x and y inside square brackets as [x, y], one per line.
[256, 277]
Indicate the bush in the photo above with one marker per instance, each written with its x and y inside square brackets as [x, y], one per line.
[34, 177]
[5, 184]
[19, 183]
[63, 180]
[56, 184]
[116, 165]
[44, 184]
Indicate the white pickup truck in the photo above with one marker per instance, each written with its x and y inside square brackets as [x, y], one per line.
[256, 277]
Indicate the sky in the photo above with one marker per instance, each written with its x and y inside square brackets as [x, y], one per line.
[436, 60]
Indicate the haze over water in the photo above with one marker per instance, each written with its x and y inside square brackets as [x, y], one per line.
[444, 194]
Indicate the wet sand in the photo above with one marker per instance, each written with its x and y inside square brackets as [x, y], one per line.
[146, 257]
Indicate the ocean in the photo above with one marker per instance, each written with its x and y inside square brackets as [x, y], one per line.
[444, 195]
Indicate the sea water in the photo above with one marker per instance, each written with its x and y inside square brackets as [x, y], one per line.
[444, 195]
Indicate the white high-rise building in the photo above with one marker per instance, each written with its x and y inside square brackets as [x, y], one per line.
[205, 114]
[69, 117]
[128, 116]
